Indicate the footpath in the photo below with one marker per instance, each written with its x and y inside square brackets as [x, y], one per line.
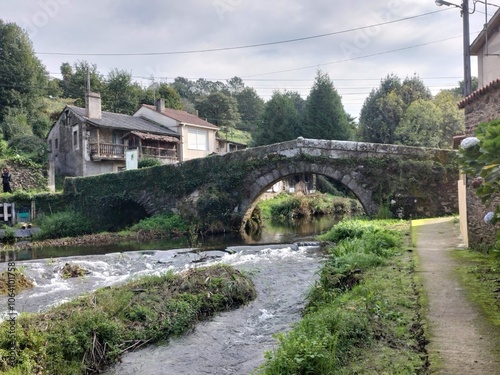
[461, 339]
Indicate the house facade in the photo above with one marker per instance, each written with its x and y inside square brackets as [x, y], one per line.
[483, 105]
[198, 137]
[87, 141]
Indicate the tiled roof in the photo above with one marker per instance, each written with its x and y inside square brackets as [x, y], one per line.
[183, 117]
[155, 137]
[473, 96]
[124, 122]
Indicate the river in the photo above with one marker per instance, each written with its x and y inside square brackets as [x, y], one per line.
[231, 343]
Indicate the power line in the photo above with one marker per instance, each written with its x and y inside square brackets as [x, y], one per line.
[353, 58]
[243, 46]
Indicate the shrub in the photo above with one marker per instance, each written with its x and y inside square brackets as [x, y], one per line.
[148, 162]
[169, 224]
[9, 235]
[64, 224]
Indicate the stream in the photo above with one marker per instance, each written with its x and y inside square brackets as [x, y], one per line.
[231, 343]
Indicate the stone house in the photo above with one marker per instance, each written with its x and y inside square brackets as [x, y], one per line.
[198, 137]
[482, 105]
[88, 141]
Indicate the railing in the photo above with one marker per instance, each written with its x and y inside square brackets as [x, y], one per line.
[117, 151]
[107, 150]
[158, 152]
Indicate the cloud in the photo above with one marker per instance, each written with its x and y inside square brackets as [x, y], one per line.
[356, 58]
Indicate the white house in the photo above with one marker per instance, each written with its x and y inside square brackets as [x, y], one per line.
[198, 137]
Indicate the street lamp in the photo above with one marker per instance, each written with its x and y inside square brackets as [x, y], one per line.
[465, 17]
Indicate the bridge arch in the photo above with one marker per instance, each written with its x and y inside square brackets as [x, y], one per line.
[262, 180]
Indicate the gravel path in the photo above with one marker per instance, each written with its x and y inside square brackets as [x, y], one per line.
[461, 340]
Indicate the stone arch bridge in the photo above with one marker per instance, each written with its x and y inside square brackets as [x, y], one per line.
[224, 189]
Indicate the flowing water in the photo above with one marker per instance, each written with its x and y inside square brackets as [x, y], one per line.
[231, 343]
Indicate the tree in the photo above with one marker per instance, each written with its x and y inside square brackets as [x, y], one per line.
[121, 95]
[78, 81]
[452, 118]
[250, 106]
[23, 78]
[15, 123]
[325, 117]
[219, 109]
[170, 95]
[420, 125]
[381, 112]
[280, 121]
[414, 89]
[185, 88]
[235, 85]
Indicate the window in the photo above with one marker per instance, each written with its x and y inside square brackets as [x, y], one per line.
[197, 139]
[57, 143]
[75, 137]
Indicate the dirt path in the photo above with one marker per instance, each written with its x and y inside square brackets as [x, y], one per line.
[461, 341]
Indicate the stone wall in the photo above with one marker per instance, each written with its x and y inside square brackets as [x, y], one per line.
[481, 106]
[26, 177]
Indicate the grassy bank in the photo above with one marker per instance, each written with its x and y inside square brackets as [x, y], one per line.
[91, 332]
[480, 275]
[285, 206]
[363, 315]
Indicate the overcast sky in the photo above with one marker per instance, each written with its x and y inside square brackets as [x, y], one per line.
[272, 45]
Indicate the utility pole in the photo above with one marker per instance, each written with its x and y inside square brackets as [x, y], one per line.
[467, 69]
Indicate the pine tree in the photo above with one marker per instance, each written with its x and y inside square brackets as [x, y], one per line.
[325, 117]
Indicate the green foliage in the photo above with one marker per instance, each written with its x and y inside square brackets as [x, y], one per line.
[75, 78]
[168, 224]
[483, 160]
[219, 109]
[280, 121]
[15, 123]
[9, 235]
[30, 146]
[121, 94]
[251, 108]
[64, 224]
[22, 77]
[148, 162]
[405, 113]
[325, 117]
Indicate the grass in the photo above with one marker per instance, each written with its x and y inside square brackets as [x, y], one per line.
[363, 314]
[480, 274]
[87, 334]
[286, 206]
[236, 135]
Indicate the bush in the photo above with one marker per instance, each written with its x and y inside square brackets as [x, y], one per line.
[30, 146]
[148, 162]
[169, 224]
[9, 235]
[64, 224]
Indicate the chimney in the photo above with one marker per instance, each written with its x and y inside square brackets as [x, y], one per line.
[160, 105]
[93, 105]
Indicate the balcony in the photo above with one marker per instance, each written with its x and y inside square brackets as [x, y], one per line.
[112, 151]
[107, 151]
